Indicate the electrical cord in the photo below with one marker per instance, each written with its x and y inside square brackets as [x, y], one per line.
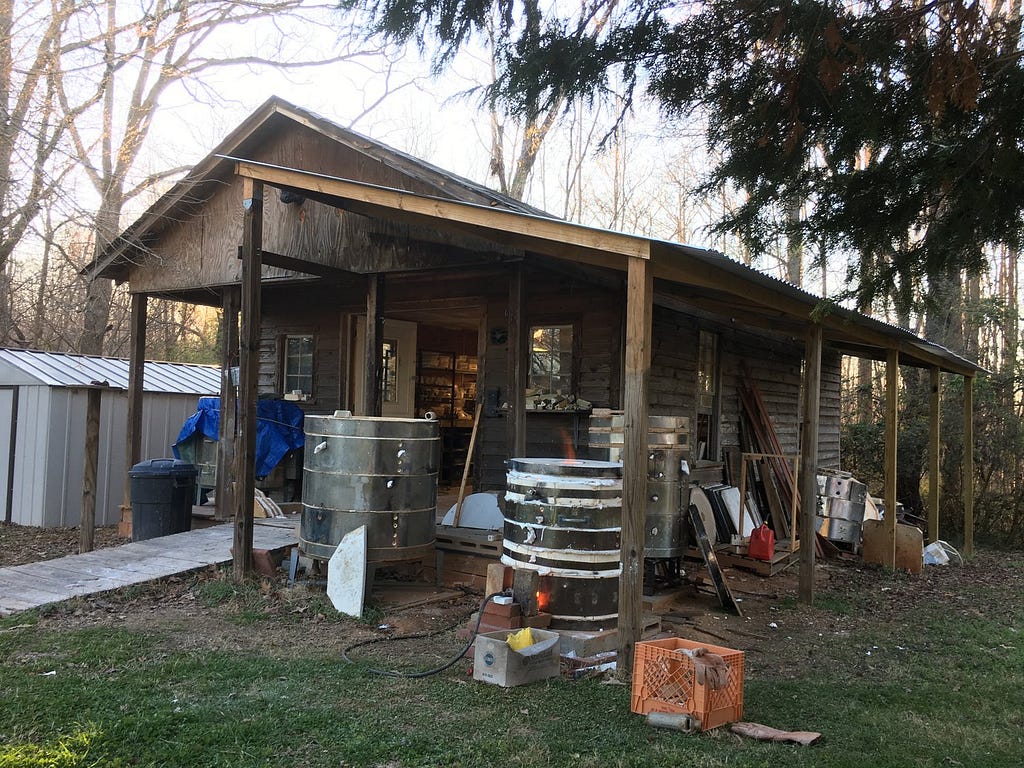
[421, 635]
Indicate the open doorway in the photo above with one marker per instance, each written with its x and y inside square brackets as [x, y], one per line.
[433, 358]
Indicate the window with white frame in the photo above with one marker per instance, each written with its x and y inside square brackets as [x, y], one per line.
[298, 364]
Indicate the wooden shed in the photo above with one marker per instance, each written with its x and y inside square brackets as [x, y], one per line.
[43, 405]
[370, 280]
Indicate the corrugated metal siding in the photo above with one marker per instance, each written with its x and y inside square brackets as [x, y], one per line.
[65, 432]
[27, 502]
[61, 370]
[50, 451]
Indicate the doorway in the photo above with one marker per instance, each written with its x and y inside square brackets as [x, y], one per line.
[398, 367]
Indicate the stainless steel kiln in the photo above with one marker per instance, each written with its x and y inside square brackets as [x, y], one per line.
[668, 481]
[372, 471]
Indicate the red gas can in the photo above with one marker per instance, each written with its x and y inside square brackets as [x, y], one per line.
[762, 543]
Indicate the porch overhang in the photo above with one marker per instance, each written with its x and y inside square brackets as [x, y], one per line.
[707, 279]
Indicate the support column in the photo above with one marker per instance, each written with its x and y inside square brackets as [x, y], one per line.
[249, 340]
[518, 361]
[968, 468]
[87, 523]
[371, 405]
[892, 380]
[933, 455]
[809, 461]
[639, 303]
[136, 377]
[227, 431]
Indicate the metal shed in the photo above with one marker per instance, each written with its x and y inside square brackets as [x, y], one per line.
[42, 429]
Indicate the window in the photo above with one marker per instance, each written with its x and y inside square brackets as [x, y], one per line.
[707, 371]
[389, 371]
[551, 359]
[298, 364]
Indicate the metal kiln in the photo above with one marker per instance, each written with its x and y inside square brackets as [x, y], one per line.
[372, 471]
[563, 519]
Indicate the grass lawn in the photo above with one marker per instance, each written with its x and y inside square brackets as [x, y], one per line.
[893, 671]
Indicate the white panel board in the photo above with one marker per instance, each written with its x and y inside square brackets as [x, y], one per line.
[346, 573]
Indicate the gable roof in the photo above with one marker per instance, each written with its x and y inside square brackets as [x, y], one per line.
[272, 117]
[56, 369]
[702, 278]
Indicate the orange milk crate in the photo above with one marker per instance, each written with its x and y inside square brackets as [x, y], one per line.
[664, 680]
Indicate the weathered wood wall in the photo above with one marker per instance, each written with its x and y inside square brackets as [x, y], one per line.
[553, 298]
[201, 249]
[556, 299]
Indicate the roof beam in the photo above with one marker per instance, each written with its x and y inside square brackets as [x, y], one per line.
[551, 236]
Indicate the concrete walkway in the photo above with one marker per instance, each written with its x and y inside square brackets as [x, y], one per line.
[50, 581]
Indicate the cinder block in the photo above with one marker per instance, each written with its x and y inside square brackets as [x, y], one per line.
[499, 578]
[494, 609]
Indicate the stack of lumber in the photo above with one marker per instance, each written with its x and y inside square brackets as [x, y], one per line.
[773, 475]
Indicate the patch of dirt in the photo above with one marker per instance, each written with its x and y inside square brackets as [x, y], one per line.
[21, 544]
[781, 635]
[206, 611]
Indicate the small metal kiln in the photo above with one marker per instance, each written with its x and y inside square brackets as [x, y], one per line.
[563, 519]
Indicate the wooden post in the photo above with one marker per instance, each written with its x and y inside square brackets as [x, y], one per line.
[968, 469]
[87, 524]
[371, 405]
[136, 378]
[227, 431]
[518, 360]
[892, 380]
[345, 361]
[249, 341]
[933, 455]
[809, 461]
[639, 303]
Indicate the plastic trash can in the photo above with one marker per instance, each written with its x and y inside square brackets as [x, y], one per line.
[162, 492]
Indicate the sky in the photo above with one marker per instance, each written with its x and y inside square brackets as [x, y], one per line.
[640, 186]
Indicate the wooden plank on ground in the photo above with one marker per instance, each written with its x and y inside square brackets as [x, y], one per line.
[51, 581]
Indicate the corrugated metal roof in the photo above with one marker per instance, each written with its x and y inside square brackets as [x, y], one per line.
[57, 369]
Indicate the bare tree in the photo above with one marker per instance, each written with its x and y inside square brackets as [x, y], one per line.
[114, 83]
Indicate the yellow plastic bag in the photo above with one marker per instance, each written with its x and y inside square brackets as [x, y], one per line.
[521, 639]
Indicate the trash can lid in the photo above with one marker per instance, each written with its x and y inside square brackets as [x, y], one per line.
[163, 468]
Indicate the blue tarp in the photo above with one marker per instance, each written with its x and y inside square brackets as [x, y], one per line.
[278, 429]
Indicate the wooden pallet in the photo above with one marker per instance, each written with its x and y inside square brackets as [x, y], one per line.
[782, 560]
[463, 554]
[471, 541]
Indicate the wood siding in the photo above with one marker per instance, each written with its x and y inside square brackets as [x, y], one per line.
[554, 298]
[202, 250]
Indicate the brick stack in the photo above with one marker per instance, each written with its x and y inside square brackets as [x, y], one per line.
[508, 617]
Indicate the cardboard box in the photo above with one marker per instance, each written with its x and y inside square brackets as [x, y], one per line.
[494, 662]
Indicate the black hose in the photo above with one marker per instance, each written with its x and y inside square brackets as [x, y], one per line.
[429, 672]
